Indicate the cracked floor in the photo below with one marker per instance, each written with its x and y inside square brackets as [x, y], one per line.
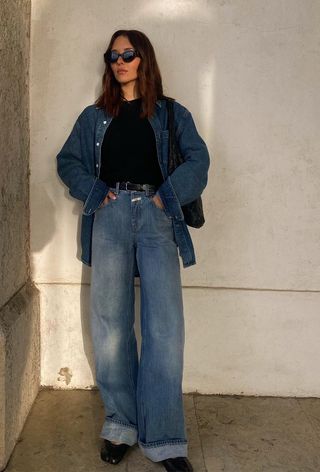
[225, 433]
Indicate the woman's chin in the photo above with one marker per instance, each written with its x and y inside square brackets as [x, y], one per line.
[124, 80]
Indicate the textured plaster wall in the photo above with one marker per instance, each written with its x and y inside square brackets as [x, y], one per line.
[14, 146]
[249, 73]
[20, 358]
[19, 301]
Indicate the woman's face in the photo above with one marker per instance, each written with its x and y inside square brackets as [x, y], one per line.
[124, 72]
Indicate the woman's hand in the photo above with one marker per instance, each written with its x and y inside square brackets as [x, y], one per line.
[157, 200]
[110, 195]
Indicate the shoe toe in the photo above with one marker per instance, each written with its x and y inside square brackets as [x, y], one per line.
[178, 464]
[113, 453]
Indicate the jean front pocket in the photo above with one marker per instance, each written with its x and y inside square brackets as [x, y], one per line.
[160, 210]
[154, 203]
[104, 205]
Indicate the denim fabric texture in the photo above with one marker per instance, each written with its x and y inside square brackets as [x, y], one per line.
[79, 161]
[143, 401]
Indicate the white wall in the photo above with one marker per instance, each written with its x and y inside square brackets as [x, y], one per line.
[249, 72]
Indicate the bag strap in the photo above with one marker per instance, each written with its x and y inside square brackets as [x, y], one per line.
[170, 124]
[174, 158]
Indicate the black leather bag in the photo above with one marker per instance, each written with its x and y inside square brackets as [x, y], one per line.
[193, 211]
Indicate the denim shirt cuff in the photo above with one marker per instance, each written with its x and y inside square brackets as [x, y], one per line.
[96, 196]
[170, 200]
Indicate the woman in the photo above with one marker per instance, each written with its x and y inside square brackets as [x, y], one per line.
[115, 161]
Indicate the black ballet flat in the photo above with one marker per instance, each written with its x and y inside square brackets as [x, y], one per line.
[113, 453]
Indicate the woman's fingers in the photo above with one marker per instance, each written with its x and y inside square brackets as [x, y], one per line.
[110, 194]
[158, 202]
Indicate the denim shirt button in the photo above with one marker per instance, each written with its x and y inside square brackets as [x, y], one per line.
[104, 122]
[97, 165]
[98, 144]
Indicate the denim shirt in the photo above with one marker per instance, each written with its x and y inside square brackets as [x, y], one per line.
[79, 162]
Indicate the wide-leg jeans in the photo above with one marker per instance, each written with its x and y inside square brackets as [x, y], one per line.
[142, 397]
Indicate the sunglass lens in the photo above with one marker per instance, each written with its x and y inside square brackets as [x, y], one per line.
[128, 56]
[113, 56]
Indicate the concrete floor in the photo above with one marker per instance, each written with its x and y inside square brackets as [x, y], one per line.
[225, 433]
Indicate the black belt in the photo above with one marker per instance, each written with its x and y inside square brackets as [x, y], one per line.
[134, 186]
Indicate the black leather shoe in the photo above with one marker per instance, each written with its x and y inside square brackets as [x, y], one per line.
[113, 453]
[177, 464]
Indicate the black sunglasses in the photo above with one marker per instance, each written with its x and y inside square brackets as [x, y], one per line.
[127, 56]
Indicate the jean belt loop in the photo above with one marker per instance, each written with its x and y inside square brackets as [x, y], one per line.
[117, 187]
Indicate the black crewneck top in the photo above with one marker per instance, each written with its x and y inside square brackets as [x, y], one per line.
[128, 151]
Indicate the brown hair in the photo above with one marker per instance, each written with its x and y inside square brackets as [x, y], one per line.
[149, 77]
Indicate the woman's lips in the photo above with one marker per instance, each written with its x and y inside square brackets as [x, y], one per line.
[121, 71]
